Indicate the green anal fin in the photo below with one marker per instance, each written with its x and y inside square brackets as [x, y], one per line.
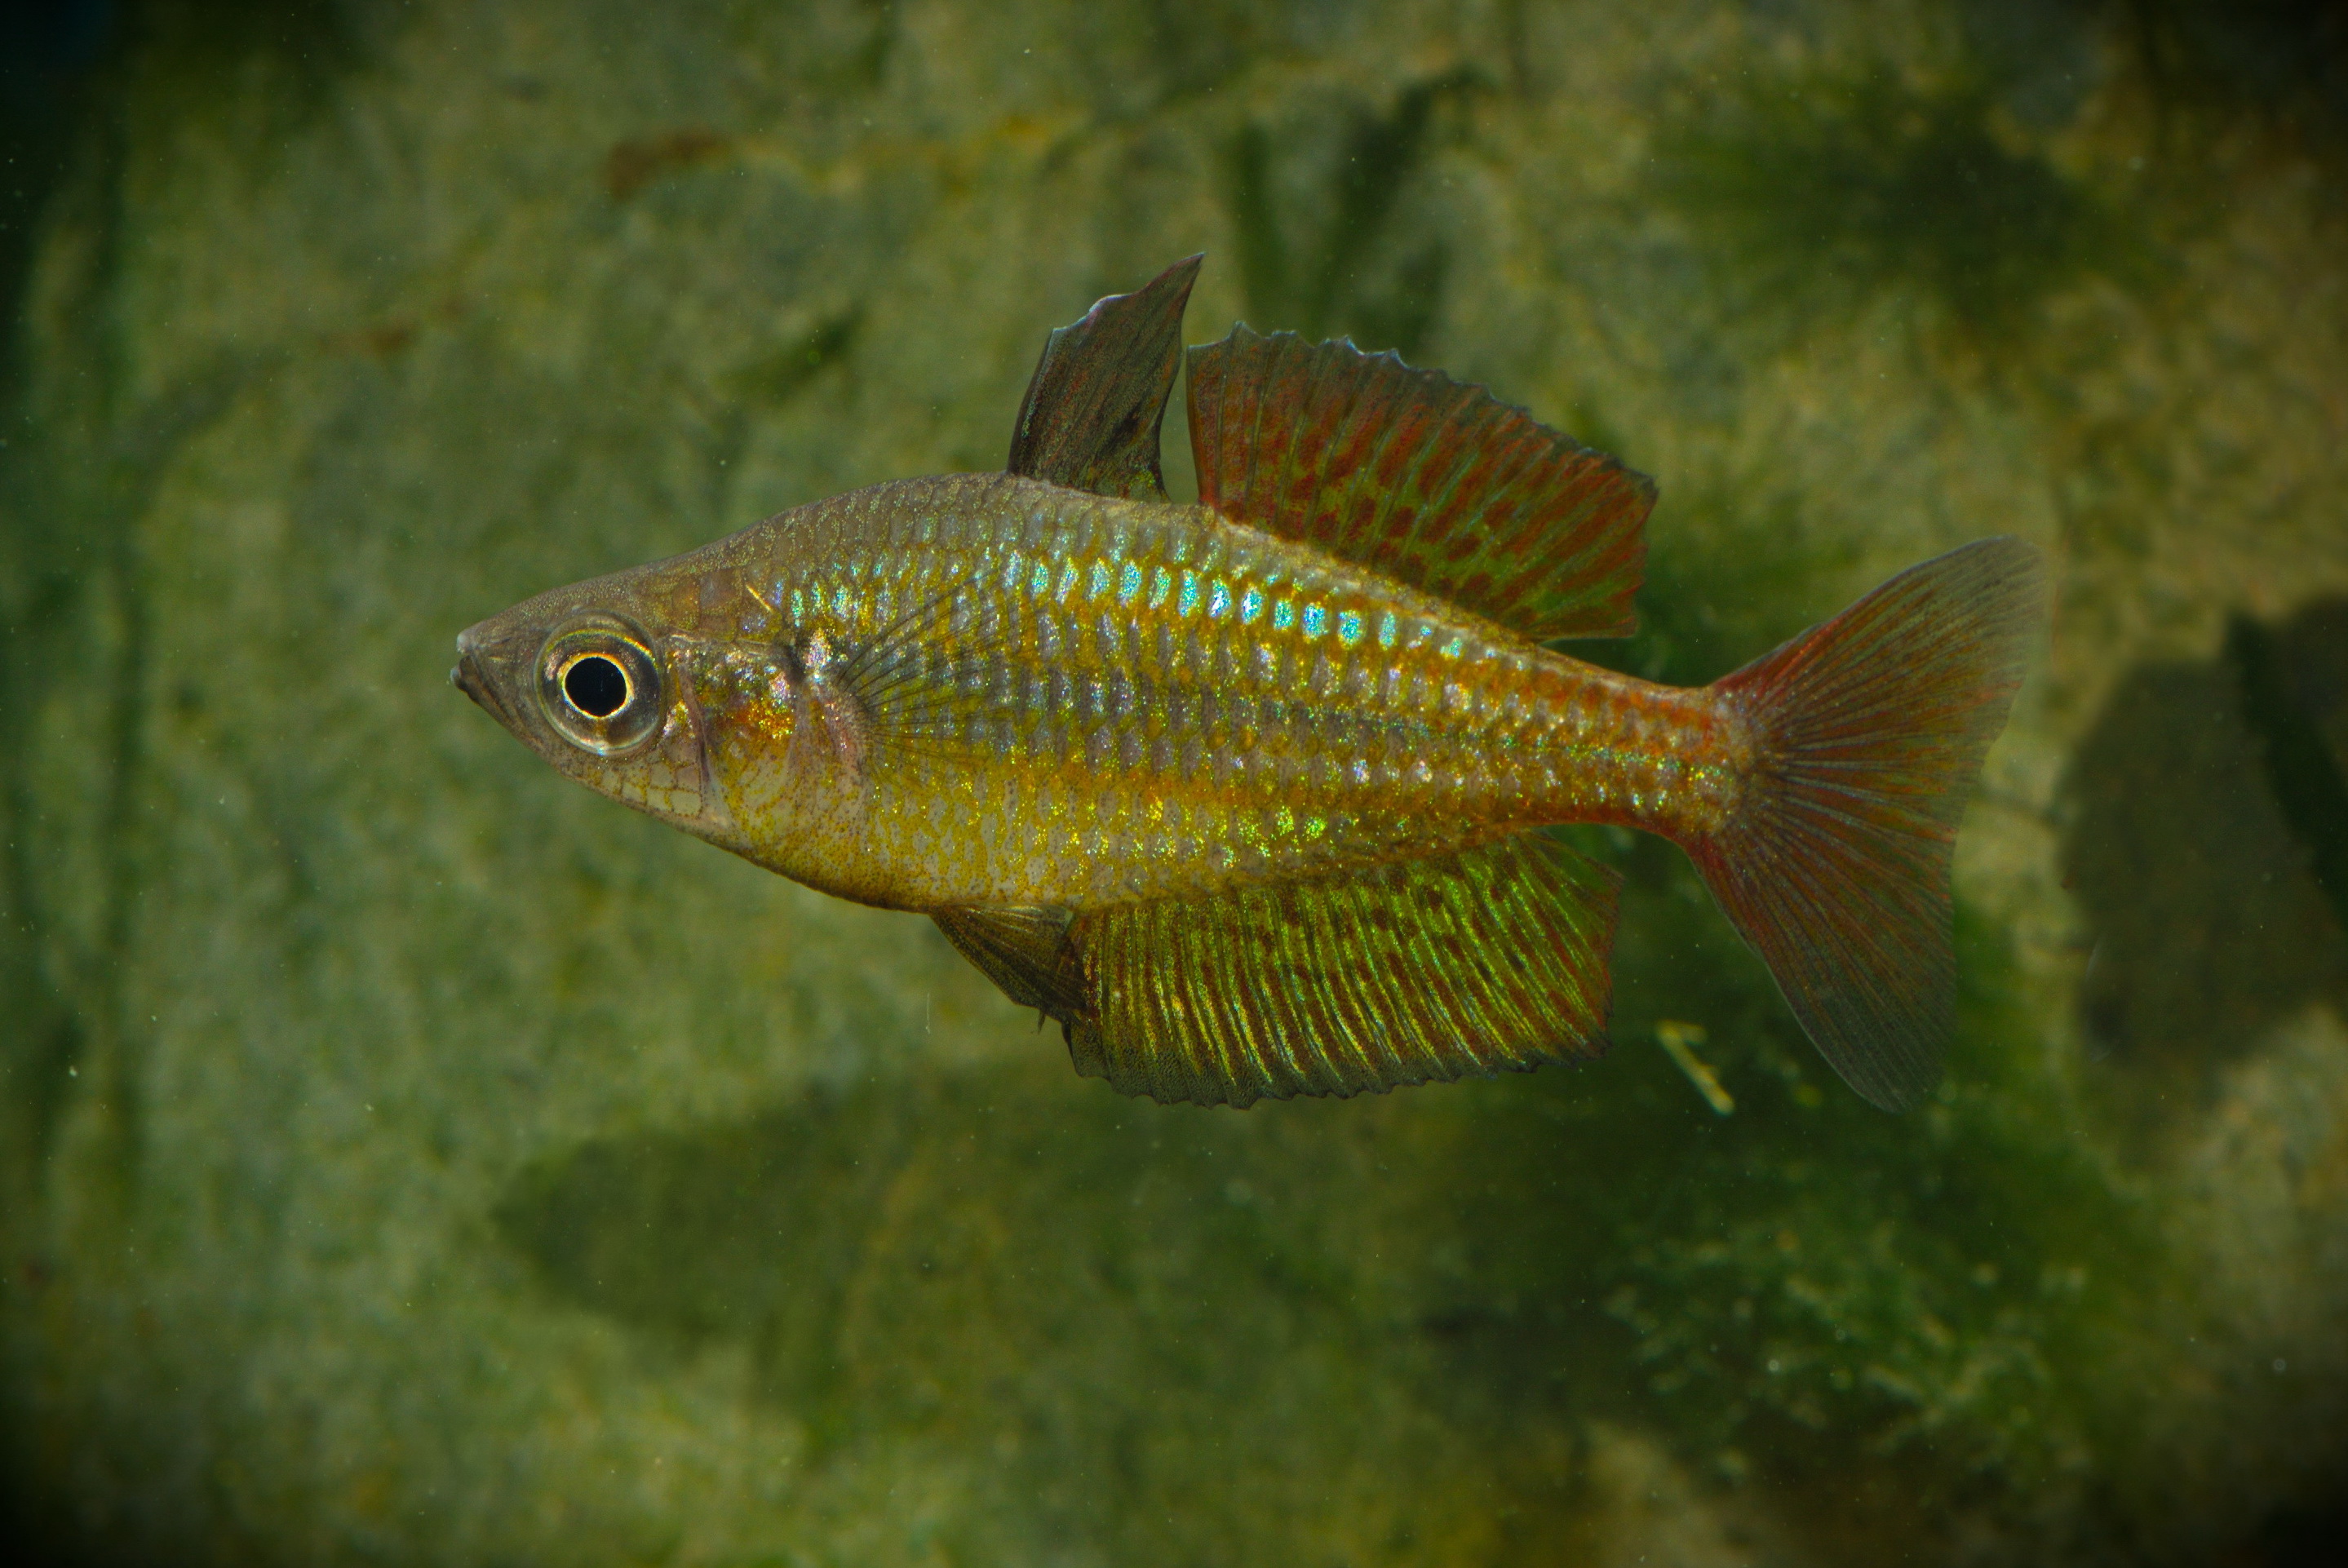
[1091, 417]
[1412, 474]
[1459, 964]
[1023, 951]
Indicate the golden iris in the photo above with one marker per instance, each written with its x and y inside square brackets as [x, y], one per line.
[600, 686]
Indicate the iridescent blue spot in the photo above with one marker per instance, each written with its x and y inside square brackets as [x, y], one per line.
[1349, 628]
[1190, 600]
[840, 600]
[1096, 583]
[1386, 630]
[1451, 649]
[798, 603]
[1161, 582]
[1251, 606]
[1128, 583]
[1040, 578]
[1316, 621]
[1283, 614]
[1219, 598]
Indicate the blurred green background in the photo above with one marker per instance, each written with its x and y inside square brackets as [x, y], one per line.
[408, 1157]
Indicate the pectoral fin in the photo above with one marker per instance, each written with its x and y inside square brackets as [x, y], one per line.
[1466, 964]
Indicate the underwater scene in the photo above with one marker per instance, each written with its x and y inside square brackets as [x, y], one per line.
[409, 1156]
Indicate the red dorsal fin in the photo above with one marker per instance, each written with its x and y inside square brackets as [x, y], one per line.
[1408, 472]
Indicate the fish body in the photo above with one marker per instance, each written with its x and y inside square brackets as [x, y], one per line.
[1120, 700]
[1246, 793]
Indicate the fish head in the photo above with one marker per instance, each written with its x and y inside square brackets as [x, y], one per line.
[598, 679]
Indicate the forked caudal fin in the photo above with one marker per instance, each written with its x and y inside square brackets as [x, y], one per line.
[1869, 730]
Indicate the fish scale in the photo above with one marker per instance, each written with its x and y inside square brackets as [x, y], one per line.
[1278, 711]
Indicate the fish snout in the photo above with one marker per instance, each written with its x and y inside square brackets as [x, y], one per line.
[476, 674]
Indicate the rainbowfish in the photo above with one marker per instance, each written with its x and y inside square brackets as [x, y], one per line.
[1248, 795]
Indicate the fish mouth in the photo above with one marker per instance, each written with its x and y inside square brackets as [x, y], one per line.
[470, 675]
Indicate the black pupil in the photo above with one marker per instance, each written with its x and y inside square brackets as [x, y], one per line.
[596, 686]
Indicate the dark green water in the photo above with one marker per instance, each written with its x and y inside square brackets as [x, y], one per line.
[407, 1157]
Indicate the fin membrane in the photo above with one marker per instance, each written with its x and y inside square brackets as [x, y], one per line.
[921, 686]
[1465, 964]
[1091, 416]
[1024, 952]
[1412, 474]
[1871, 730]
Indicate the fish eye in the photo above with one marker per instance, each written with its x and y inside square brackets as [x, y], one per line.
[601, 687]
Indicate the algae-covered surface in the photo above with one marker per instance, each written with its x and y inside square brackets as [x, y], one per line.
[408, 1157]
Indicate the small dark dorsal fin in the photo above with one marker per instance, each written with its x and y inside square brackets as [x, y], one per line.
[1408, 472]
[1091, 416]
